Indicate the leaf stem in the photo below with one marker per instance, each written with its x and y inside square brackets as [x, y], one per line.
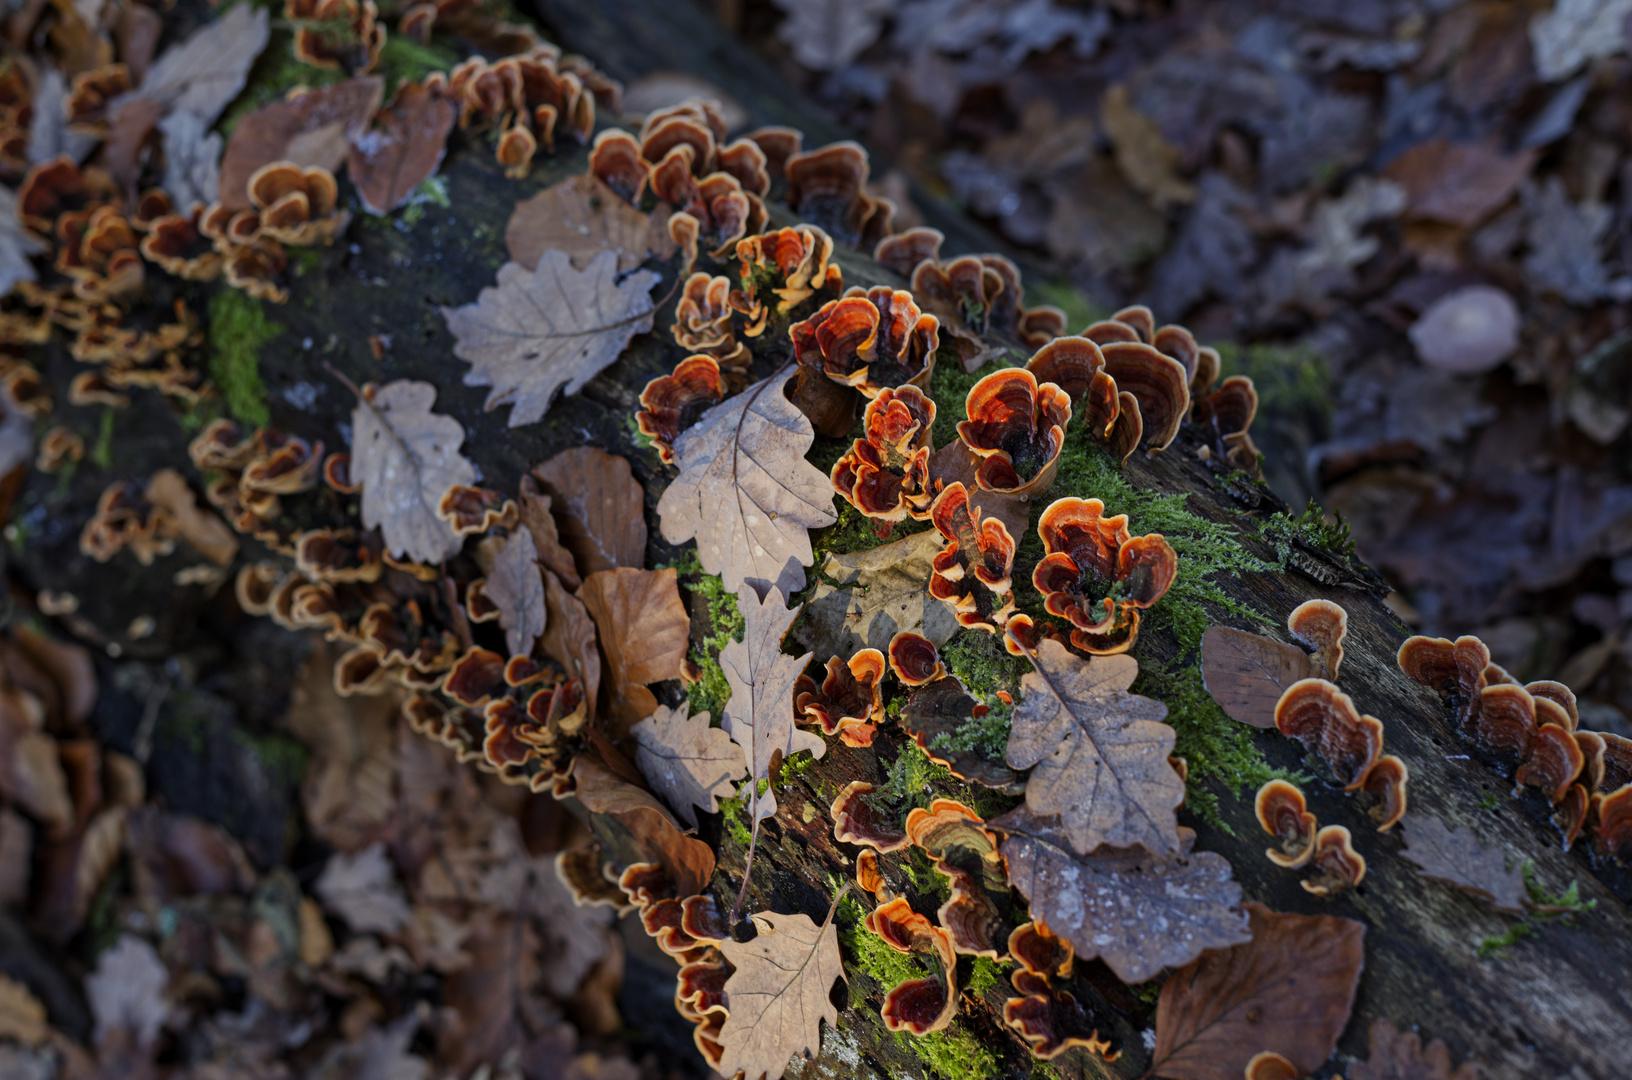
[748, 867]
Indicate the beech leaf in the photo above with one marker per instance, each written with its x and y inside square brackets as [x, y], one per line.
[406, 458]
[569, 637]
[689, 763]
[1136, 911]
[1247, 673]
[1397, 1055]
[688, 862]
[778, 996]
[582, 217]
[1101, 753]
[315, 128]
[388, 161]
[601, 507]
[537, 519]
[551, 329]
[643, 629]
[1453, 856]
[759, 715]
[517, 589]
[745, 492]
[1289, 990]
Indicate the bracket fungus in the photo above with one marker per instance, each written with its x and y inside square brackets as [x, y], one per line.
[1555, 760]
[972, 572]
[1082, 546]
[936, 712]
[296, 205]
[849, 702]
[1227, 413]
[904, 251]
[857, 822]
[828, 187]
[336, 33]
[869, 339]
[1321, 625]
[1016, 427]
[918, 1006]
[1387, 780]
[914, 659]
[1324, 719]
[886, 474]
[791, 264]
[672, 403]
[1338, 867]
[966, 854]
[1283, 814]
[702, 319]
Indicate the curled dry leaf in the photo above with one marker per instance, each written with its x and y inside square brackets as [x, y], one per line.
[1289, 990]
[537, 519]
[643, 630]
[516, 588]
[406, 457]
[881, 592]
[389, 160]
[1454, 856]
[1247, 673]
[778, 995]
[315, 128]
[1101, 753]
[689, 763]
[569, 637]
[582, 217]
[599, 505]
[689, 863]
[746, 493]
[203, 74]
[1136, 911]
[550, 329]
[759, 715]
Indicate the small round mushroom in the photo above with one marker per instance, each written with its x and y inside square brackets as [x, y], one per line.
[855, 822]
[1469, 331]
[1554, 763]
[1321, 625]
[914, 659]
[1338, 867]
[1324, 719]
[1268, 1065]
[1387, 779]
[1017, 427]
[1283, 814]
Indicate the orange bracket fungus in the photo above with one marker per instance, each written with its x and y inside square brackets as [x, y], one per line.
[914, 659]
[1321, 625]
[1016, 427]
[702, 319]
[1555, 760]
[1283, 815]
[870, 876]
[1324, 719]
[828, 187]
[965, 853]
[672, 403]
[972, 572]
[1387, 780]
[918, 1006]
[336, 33]
[905, 250]
[1338, 867]
[1049, 1018]
[790, 264]
[871, 340]
[1227, 413]
[1157, 382]
[1082, 546]
[886, 474]
[297, 205]
[856, 822]
[850, 701]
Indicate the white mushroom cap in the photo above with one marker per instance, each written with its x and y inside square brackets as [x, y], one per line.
[1469, 331]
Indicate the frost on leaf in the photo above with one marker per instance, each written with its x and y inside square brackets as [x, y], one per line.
[517, 589]
[1448, 855]
[1136, 911]
[688, 762]
[746, 493]
[551, 329]
[1101, 753]
[759, 715]
[1289, 990]
[778, 995]
[406, 458]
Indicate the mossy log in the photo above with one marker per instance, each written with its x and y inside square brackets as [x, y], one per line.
[1551, 1005]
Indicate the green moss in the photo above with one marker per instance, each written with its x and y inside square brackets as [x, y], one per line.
[980, 661]
[434, 191]
[238, 329]
[1079, 310]
[101, 452]
[1283, 530]
[928, 882]
[954, 1054]
[710, 692]
[405, 60]
[912, 780]
[986, 735]
[983, 975]
[734, 815]
[1288, 378]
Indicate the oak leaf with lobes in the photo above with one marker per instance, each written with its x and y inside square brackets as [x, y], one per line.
[583, 217]
[689, 763]
[746, 493]
[406, 457]
[550, 329]
[1100, 752]
[778, 996]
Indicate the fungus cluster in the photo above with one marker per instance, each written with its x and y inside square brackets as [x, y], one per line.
[702, 321]
[790, 264]
[527, 98]
[828, 188]
[1015, 427]
[972, 573]
[885, 475]
[849, 702]
[939, 705]
[1283, 814]
[1046, 1015]
[337, 34]
[670, 404]
[1083, 547]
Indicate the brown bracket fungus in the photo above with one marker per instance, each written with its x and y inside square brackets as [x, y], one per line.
[886, 474]
[966, 854]
[1324, 719]
[918, 1006]
[778, 144]
[1283, 814]
[702, 320]
[1016, 427]
[615, 161]
[1554, 761]
[828, 187]
[869, 875]
[1611, 817]
[943, 708]
[672, 403]
[1157, 382]
[336, 33]
[472, 511]
[1506, 723]
[1269, 1065]
[791, 264]
[1338, 867]
[850, 701]
[1387, 780]
[972, 573]
[914, 659]
[1083, 546]
[903, 251]
[296, 205]
[857, 822]
[1321, 625]
[869, 339]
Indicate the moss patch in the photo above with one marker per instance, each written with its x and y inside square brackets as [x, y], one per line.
[1288, 378]
[953, 1054]
[405, 60]
[101, 452]
[238, 329]
[711, 692]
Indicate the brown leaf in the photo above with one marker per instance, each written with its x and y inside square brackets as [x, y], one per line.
[688, 862]
[746, 493]
[1397, 1055]
[16, 857]
[362, 889]
[173, 855]
[204, 73]
[688, 762]
[643, 630]
[881, 592]
[1101, 753]
[388, 161]
[955, 463]
[349, 793]
[1289, 990]
[536, 517]
[204, 530]
[1459, 183]
[484, 997]
[582, 217]
[552, 329]
[128, 129]
[1247, 673]
[1147, 159]
[516, 588]
[1455, 856]
[569, 637]
[22, 1017]
[600, 508]
[316, 128]
[1136, 911]
[759, 716]
[778, 996]
[406, 458]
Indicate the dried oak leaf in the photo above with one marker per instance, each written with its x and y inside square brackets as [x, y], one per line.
[1397, 1055]
[516, 588]
[406, 458]
[582, 217]
[388, 161]
[643, 629]
[600, 506]
[1101, 753]
[778, 994]
[689, 763]
[1247, 673]
[759, 715]
[746, 493]
[204, 73]
[362, 889]
[880, 592]
[1454, 856]
[1136, 911]
[316, 128]
[1459, 183]
[551, 329]
[1289, 990]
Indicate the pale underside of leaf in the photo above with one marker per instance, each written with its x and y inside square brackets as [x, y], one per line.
[688, 762]
[204, 73]
[1247, 673]
[745, 492]
[539, 332]
[778, 996]
[406, 458]
[517, 589]
[1454, 856]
